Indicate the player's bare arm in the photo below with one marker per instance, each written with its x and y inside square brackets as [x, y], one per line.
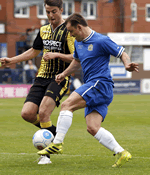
[130, 66]
[75, 65]
[29, 54]
[64, 57]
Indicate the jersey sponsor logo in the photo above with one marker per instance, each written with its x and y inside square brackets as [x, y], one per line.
[90, 47]
[52, 45]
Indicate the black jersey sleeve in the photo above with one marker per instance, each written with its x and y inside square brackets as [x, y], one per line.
[38, 43]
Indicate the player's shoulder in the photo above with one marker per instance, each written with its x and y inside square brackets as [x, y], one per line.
[100, 36]
[45, 27]
[77, 43]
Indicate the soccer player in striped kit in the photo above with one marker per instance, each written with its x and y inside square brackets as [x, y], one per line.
[45, 93]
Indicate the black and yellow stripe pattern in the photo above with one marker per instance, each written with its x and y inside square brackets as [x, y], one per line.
[60, 41]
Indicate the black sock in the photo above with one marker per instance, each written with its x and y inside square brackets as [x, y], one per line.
[52, 129]
[48, 156]
[38, 125]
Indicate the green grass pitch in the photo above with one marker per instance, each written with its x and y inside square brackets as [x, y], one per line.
[128, 119]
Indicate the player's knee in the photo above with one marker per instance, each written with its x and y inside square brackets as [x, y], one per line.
[91, 129]
[67, 105]
[63, 105]
[24, 115]
[27, 116]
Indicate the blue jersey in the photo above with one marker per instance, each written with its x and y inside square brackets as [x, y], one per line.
[94, 55]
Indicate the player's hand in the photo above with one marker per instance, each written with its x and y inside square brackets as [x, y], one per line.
[5, 61]
[132, 67]
[49, 56]
[59, 78]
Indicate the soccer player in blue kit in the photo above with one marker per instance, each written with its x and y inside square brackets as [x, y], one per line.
[92, 52]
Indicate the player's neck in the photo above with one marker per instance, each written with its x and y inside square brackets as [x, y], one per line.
[54, 26]
[87, 31]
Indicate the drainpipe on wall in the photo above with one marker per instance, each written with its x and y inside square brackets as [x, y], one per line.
[121, 4]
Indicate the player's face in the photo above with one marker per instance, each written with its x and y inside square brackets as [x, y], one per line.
[75, 32]
[54, 14]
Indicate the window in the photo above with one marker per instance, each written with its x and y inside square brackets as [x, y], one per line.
[41, 13]
[3, 49]
[68, 9]
[22, 12]
[114, 60]
[134, 52]
[2, 28]
[89, 9]
[133, 12]
[147, 12]
[137, 54]
[40, 10]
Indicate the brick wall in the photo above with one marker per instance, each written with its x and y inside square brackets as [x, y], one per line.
[111, 17]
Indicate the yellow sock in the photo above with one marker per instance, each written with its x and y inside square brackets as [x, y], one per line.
[46, 124]
[37, 120]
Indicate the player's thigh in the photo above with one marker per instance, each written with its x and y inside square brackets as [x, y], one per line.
[56, 92]
[37, 91]
[73, 102]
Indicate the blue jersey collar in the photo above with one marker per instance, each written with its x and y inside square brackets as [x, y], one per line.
[87, 38]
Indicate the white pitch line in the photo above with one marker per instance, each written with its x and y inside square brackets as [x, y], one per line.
[68, 155]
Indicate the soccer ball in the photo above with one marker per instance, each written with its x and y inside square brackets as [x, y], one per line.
[42, 138]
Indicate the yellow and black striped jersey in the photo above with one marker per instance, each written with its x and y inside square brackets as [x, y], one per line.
[58, 40]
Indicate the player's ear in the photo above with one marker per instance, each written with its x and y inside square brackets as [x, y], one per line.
[79, 26]
[61, 9]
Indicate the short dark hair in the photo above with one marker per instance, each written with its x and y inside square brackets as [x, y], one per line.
[76, 19]
[57, 3]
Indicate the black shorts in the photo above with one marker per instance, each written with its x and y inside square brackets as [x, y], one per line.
[47, 87]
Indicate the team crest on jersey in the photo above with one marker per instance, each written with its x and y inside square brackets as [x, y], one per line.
[90, 47]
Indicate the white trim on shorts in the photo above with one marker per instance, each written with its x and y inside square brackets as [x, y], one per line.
[89, 88]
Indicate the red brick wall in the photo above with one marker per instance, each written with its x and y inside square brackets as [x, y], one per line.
[108, 20]
[3, 11]
[107, 17]
[141, 25]
[16, 27]
[3, 19]
[77, 7]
